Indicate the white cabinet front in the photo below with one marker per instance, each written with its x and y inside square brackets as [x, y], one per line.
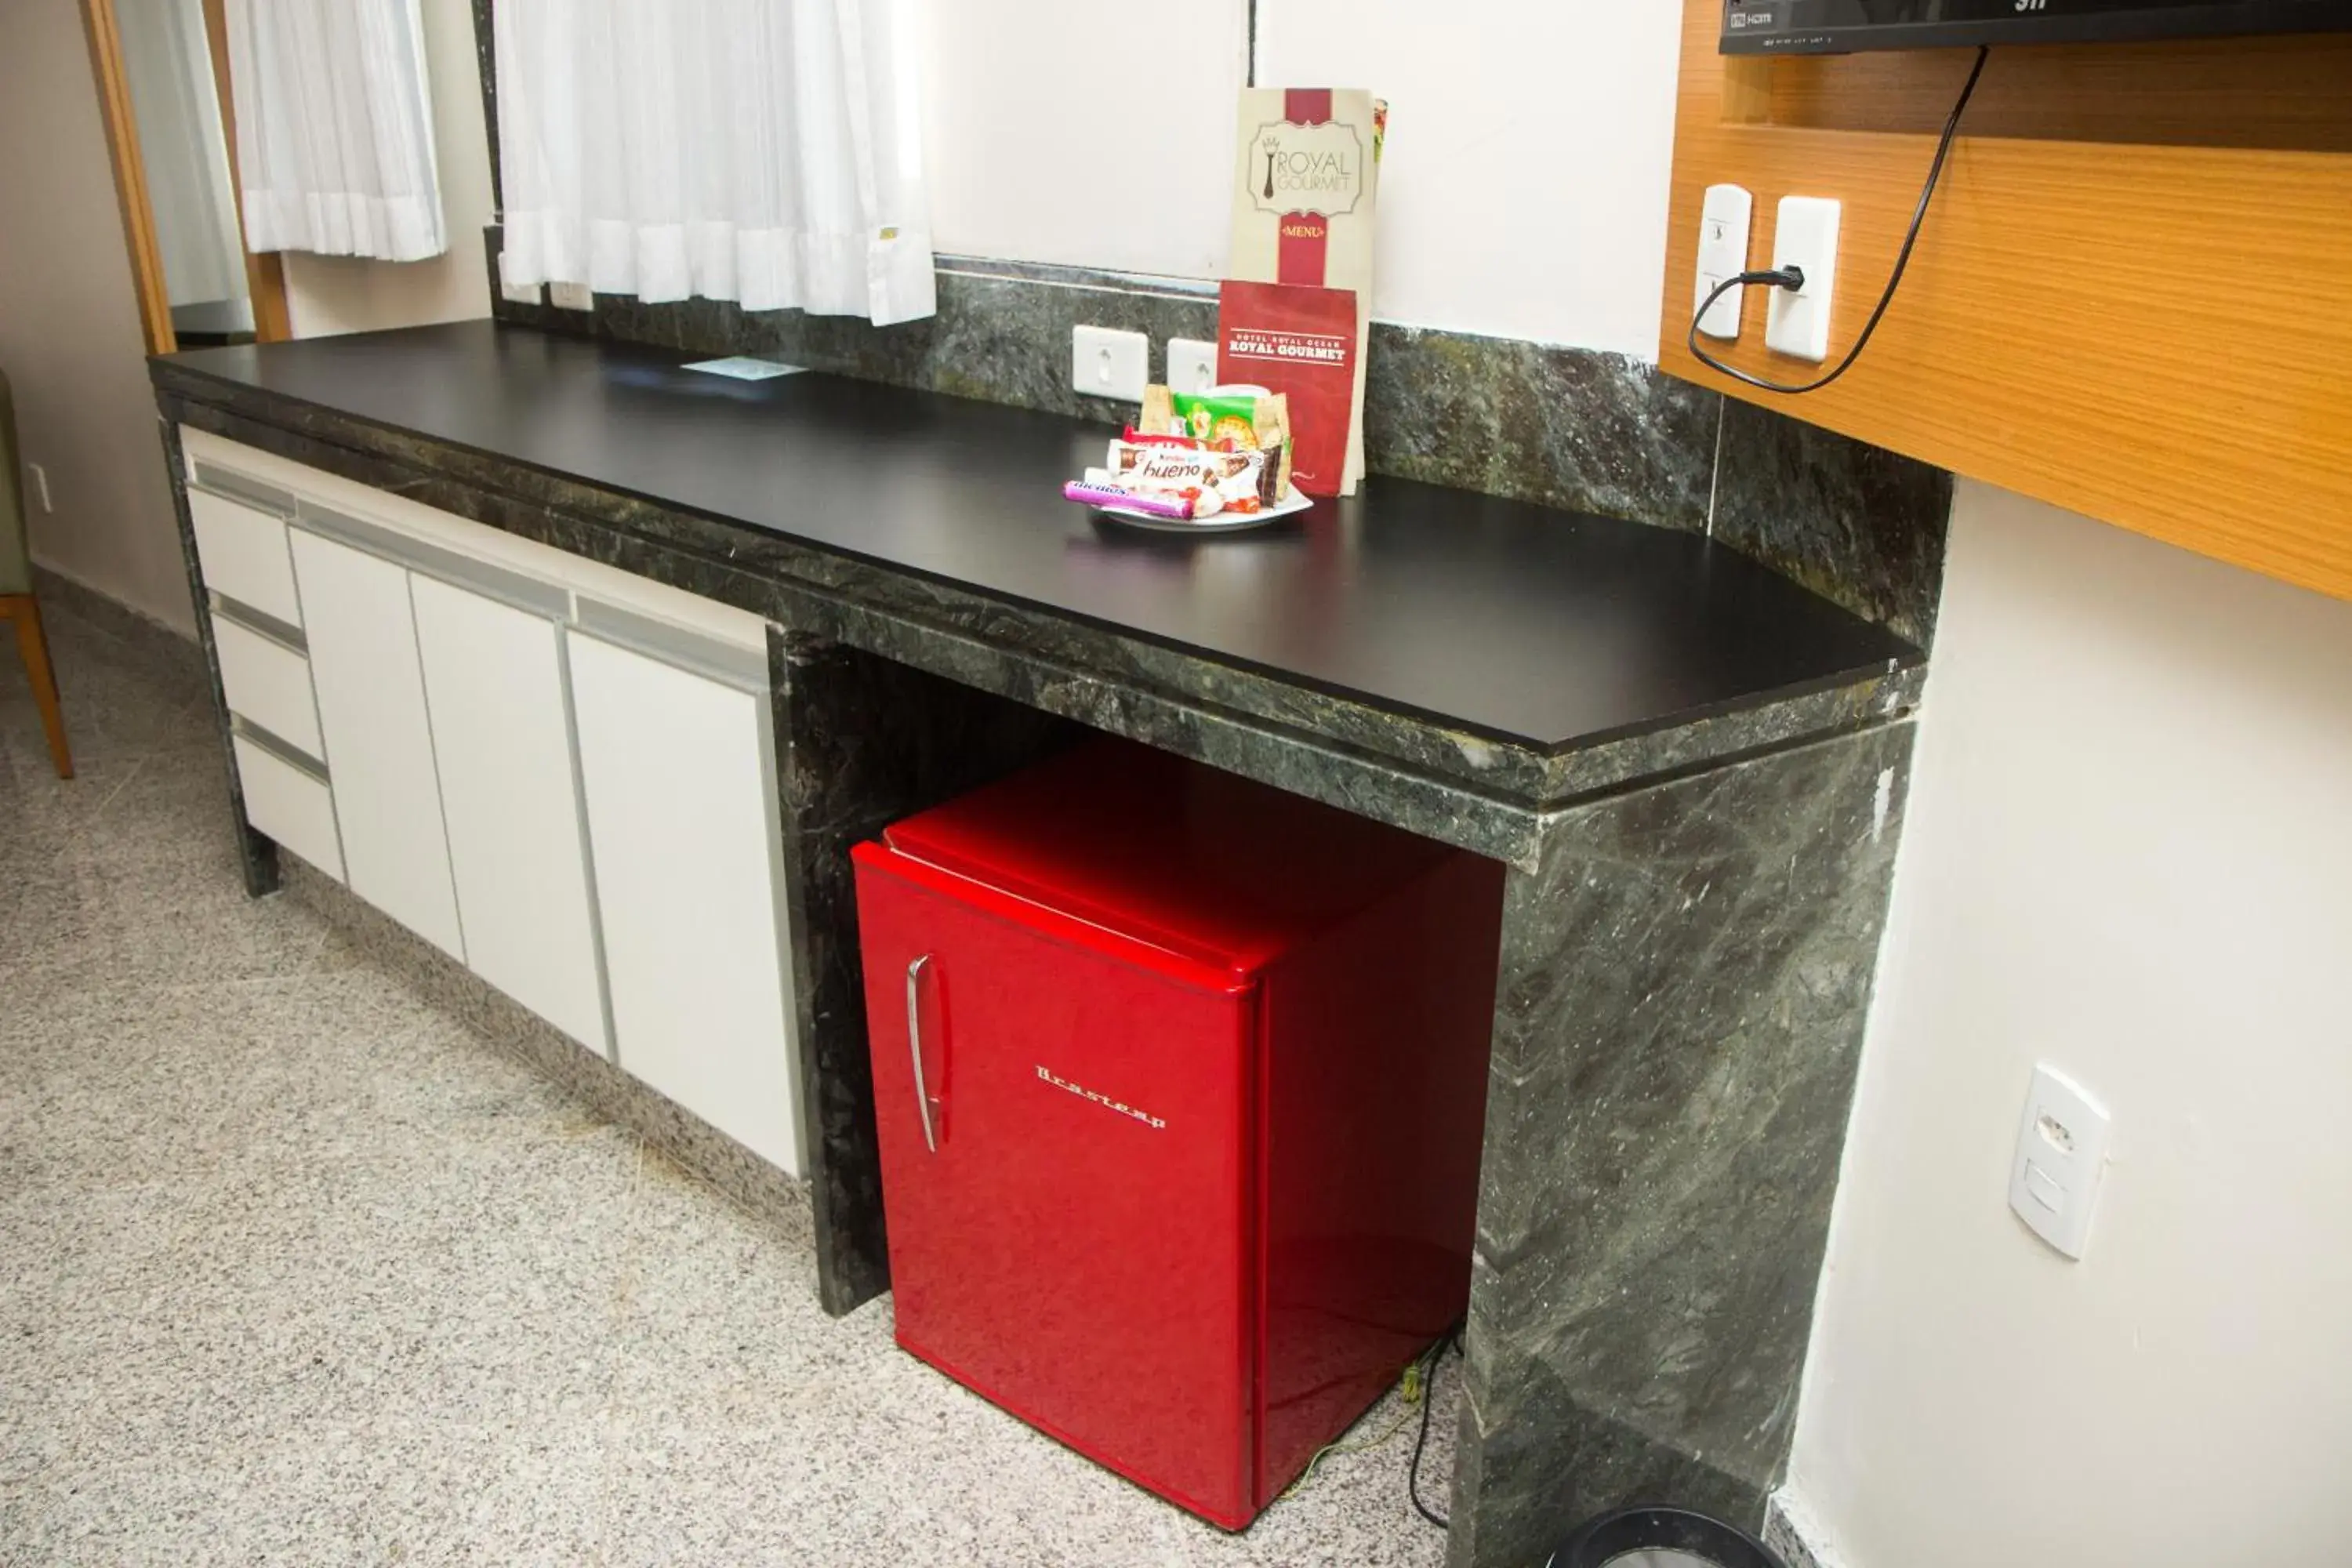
[680, 810]
[494, 680]
[371, 716]
[289, 804]
[243, 552]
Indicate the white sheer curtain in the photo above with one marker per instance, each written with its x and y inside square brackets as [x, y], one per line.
[761, 151]
[334, 128]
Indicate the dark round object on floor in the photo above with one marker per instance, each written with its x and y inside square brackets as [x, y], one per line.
[1698, 1540]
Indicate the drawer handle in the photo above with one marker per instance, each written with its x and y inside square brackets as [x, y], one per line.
[915, 1046]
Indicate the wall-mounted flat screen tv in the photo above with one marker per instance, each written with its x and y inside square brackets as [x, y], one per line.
[1844, 27]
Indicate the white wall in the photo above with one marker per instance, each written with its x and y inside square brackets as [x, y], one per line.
[69, 334]
[2129, 853]
[1090, 133]
[343, 294]
[1523, 192]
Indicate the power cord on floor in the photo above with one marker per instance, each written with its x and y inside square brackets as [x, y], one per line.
[1453, 1341]
[1794, 277]
[1410, 1391]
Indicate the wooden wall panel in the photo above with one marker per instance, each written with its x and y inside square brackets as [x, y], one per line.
[2130, 299]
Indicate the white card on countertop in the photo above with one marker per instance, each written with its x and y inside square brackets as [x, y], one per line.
[742, 367]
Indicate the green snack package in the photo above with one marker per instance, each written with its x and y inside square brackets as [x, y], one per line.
[1220, 413]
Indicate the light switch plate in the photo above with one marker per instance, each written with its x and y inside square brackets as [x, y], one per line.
[1723, 229]
[1108, 363]
[2062, 1152]
[1192, 364]
[572, 296]
[1797, 323]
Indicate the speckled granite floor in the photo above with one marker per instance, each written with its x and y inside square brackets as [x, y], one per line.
[295, 1269]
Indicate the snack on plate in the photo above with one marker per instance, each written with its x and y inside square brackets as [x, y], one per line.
[1210, 482]
[1158, 415]
[1182, 505]
[1274, 439]
[1161, 465]
[1236, 418]
[1221, 414]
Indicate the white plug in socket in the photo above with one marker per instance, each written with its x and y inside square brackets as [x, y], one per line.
[1722, 253]
[2062, 1150]
[1192, 364]
[1108, 363]
[572, 296]
[1797, 323]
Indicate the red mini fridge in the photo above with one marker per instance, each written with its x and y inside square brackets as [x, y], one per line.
[1180, 1082]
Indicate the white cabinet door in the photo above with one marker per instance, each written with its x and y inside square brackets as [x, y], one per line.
[494, 679]
[677, 774]
[379, 744]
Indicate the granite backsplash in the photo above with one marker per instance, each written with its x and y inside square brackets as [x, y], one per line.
[1574, 428]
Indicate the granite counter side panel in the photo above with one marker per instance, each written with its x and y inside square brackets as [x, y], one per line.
[1685, 981]
[1460, 788]
[861, 742]
[1864, 527]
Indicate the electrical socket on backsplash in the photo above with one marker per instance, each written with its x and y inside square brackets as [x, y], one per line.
[572, 296]
[1192, 364]
[1108, 363]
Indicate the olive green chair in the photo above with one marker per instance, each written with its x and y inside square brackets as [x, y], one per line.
[16, 604]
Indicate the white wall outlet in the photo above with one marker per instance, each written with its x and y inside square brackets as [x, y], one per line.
[1723, 227]
[572, 296]
[2061, 1151]
[1797, 323]
[523, 294]
[1192, 364]
[40, 485]
[1108, 363]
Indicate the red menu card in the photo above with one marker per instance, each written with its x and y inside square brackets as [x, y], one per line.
[1300, 341]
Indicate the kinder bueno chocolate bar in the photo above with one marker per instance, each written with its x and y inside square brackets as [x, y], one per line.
[1239, 478]
[1160, 466]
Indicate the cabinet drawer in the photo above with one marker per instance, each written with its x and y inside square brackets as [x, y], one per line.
[243, 552]
[268, 683]
[289, 806]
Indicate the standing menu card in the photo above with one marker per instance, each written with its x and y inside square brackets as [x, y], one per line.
[1301, 342]
[1306, 189]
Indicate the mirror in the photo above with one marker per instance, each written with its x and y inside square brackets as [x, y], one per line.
[167, 66]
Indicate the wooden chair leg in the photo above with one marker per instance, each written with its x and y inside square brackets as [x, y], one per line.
[33, 647]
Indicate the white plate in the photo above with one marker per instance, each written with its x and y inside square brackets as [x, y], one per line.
[1222, 523]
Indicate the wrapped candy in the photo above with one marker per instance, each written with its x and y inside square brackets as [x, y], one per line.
[1237, 419]
[1182, 505]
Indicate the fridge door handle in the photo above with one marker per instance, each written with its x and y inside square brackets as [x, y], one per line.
[915, 1047]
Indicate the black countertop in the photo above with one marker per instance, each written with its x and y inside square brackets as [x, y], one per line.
[1548, 630]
